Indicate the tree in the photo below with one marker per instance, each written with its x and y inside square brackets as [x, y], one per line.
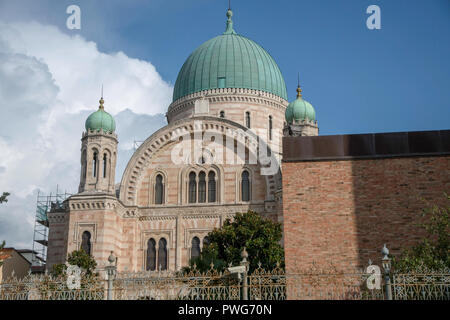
[433, 251]
[4, 197]
[78, 258]
[261, 238]
[2, 245]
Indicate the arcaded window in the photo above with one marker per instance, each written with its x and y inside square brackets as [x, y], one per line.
[162, 254]
[104, 165]
[247, 119]
[151, 254]
[211, 186]
[270, 127]
[202, 187]
[86, 242]
[192, 188]
[245, 186]
[222, 114]
[159, 190]
[195, 248]
[94, 165]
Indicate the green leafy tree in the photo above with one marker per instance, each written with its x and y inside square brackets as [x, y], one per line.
[2, 245]
[261, 237]
[433, 251]
[4, 197]
[78, 258]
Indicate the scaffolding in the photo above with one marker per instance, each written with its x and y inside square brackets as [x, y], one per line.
[44, 204]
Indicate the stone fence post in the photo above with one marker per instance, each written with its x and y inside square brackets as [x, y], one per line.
[111, 271]
[244, 263]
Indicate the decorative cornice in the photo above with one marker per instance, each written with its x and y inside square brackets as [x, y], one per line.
[57, 217]
[227, 95]
[99, 133]
[195, 212]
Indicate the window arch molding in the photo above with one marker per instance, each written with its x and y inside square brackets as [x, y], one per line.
[184, 182]
[151, 255]
[195, 247]
[84, 165]
[201, 235]
[157, 236]
[94, 162]
[152, 187]
[83, 228]
[251, 174]
[86, 242]
[108, 163]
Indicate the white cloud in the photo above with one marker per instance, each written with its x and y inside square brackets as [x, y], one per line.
[49, 84]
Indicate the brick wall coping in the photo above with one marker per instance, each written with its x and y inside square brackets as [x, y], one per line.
[367, 146]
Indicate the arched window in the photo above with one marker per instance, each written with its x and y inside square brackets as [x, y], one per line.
[162, 254]
[151, 254]
[195, 248]
[86, 242]
[247, 119]
[222, 114]
[245, 186]
[202, 187]
[270, 127]
[211, 186]
[83, 166]
[94, 165]
[159, 190]
[104, 165]
[192, 188]
[205, 241]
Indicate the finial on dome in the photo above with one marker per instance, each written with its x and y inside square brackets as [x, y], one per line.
[299, 90]
[102, 101]
[229, 29]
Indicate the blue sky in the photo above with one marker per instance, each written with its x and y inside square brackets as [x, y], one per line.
[358, 80]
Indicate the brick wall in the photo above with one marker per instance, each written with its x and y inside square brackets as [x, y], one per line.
[342, 211]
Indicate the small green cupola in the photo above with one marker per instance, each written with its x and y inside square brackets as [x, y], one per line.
[300, 110]
[100, 120]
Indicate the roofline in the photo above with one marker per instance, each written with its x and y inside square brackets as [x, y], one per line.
[366, 146]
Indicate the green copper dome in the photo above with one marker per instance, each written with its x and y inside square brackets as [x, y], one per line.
[299, 110]
[229, 61]
[100, 119]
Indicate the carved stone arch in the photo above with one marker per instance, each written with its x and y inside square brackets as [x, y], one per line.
[134, 172]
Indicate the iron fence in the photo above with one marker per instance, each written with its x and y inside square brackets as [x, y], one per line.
[421, 284]
[236, 283]
[195, 285]
[48, 287]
